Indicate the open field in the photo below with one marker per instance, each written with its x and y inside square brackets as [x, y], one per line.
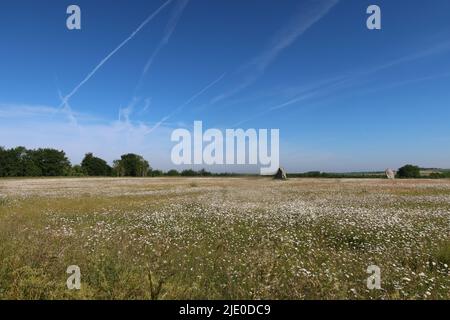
[224, 238]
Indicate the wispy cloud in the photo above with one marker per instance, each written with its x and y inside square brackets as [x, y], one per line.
[8, 110]
[147, 104]
[318, 89]
[357, 79]
[309, 13]
[439, 48]
[124, 113]
[36, 126]
[39, 112]
[187, 102]
[104, 60]
[406, 82]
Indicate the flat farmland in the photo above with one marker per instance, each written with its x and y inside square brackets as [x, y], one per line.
[224, 238]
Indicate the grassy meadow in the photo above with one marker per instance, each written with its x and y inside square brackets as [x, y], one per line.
[224, 238]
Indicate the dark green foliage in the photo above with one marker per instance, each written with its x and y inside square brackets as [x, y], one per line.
[204, 173]
[93, 166]
[189, 173]
[408, 172]
[51, 162]
[318, 174]
[185, 173]
[310, 174]
[192, 173]
[131, 165]
[156, 173]
[440, 175]
[20, 162]
[77, 171]
[30, 167]
[15, 162]
[173, 173]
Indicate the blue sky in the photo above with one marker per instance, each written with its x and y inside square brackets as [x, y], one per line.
[344, 98]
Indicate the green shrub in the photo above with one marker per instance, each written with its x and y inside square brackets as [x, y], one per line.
[409, 172]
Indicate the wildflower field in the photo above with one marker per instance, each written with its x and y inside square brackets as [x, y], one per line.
[224, 238]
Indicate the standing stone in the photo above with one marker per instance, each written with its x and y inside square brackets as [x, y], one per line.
[281, 174]
[390, 174]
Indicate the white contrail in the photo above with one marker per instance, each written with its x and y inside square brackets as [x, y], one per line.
[346, 82]
[195, 96]
[170, 28]
[68, 110]
[308, 15]
[143, 24]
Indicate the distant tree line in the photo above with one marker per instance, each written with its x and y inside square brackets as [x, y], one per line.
[319, 174]
[414, 172]
[440, 175]
[47, 162]
[406, 172]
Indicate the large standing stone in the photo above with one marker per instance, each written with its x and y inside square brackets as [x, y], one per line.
[390, 174]
[281, 174]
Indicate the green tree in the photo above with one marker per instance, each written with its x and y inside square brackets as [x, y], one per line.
[409, 172]
[189, 173]
[51, 162]
[204, 173]
[173, 173]
[93, 166]
[2, 161]
[131, 165]
[118, 169]
[29, 166]
[11, 162]
[156, 173]
[17, 162]
[77, 171]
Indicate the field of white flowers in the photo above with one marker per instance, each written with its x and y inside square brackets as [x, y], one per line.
[224, 238]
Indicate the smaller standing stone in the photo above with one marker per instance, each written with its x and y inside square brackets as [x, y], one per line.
[281, 174]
